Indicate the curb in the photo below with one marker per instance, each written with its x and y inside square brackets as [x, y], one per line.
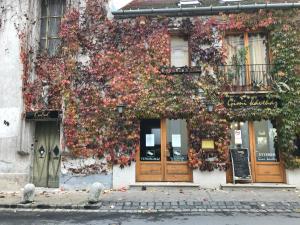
[162, 207]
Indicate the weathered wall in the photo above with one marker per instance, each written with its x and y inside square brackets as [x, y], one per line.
[14, 166]
[81, 173]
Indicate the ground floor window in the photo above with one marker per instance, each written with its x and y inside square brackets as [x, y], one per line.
[177, 140]
[264, 141]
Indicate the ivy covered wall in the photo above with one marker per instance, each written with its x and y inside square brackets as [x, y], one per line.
[104, 63]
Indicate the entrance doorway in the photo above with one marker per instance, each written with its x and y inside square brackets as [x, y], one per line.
[258, 137]
[47, 155]
[163, 151]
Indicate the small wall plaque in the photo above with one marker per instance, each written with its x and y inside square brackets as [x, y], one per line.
[208, 144]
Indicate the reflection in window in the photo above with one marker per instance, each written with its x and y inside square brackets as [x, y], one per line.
[264, 141]
[177, 140]
[51, 14]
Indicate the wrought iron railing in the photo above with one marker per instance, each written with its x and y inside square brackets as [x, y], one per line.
[247, 77]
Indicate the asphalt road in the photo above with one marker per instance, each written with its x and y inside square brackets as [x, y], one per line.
[93, 218]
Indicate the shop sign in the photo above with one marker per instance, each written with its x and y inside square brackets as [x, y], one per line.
[249, 101]
[43, 115]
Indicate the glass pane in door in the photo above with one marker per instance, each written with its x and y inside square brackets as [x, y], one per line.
[150, 140]
[264, 141]
[177, 140]
[244, 128]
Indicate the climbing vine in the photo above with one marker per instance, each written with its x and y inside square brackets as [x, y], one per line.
[104, 63]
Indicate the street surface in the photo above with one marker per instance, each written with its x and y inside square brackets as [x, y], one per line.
[93, 218]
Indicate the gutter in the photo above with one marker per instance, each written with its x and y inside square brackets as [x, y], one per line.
[201, 11]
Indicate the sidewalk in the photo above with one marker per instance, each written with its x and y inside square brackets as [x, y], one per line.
[160, 200]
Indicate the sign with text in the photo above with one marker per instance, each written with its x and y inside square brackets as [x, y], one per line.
[176, 140]
[240, 164]
[43, 115]
[238, 137]
[237, 101]
[149, 140]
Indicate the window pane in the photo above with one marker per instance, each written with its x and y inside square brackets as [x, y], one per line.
[179, 52]
[258, 59]
[43, 44]
[55, 7]
[53, 46]
[177, 140]
[54, 26]
[236, 69]
[243, 126]
[150, 140]
[264, 141]
[44, 8]
[234, 44]
[43, 27]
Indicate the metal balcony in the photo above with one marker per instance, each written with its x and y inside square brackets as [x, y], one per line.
[250, 77]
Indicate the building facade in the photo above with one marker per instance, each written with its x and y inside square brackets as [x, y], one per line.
[158, 91]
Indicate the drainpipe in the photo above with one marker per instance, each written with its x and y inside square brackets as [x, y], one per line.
[201, 11]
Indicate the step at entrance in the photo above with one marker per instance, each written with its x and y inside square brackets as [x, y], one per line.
[258, 186]
[162, 185]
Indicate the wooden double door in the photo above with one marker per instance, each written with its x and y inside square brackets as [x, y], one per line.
[163, 151]
[259, 137]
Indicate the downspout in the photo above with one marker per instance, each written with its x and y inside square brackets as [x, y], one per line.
[202, 11]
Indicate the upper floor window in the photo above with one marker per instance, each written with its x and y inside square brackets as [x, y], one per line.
[247, 60]
[179, 52]
[51, 14]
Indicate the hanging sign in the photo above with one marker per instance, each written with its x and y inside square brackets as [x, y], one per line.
[237, 101]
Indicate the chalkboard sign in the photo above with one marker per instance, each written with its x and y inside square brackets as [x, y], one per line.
[240, 164]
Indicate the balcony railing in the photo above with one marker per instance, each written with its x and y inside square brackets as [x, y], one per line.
[250, 77]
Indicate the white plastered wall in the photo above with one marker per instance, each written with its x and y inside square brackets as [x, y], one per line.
[15, 155]
[123, 177]
[293, 177]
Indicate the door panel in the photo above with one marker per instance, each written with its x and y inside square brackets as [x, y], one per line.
[149, 160]
[46, 164]
[258, 136]
[176, 168]
[266, 158]
[178, 172]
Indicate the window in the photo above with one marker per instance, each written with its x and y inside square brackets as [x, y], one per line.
[247, 60]
[177, 140]
[51, 14]
[264, 141]
[179, 52]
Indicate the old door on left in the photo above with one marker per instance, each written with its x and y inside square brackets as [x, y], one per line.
[46, 164]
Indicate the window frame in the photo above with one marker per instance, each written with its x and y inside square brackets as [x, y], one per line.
[246, 45]
[174, 34]
[46, 38]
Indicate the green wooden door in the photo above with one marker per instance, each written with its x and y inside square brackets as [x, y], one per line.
[46, 164]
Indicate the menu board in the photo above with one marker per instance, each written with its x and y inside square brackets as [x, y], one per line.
[240, 164]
